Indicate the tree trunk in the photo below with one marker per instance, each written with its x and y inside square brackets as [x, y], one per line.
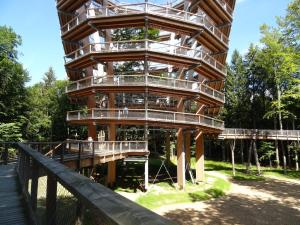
[297, 160]
[284, 157]
[280, 126]
[256, 157]
[248, 166]
[270, 162]
[289, 160]
[277, 154]
[242, 151]
[232, 147]
[276, 146]
[223, 153]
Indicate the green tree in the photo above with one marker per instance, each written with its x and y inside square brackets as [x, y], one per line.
[13, 77]
[267, 151]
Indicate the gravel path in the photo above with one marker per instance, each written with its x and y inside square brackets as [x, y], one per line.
[272, 201]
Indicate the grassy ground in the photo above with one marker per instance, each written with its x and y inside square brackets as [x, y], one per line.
[225, 167]
[163, 193]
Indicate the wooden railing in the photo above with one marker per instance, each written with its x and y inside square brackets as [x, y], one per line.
[57, 195]
[233, 133]
[146, 45]
[139, 8]
[145, 80]
[225, 6]
[147, 115]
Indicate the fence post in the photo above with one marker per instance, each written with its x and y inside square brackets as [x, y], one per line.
[79, 156]
[51, 200]
[34, 185]
[62, 153]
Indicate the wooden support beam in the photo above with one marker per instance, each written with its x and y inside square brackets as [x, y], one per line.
[51, 200]
[200, 157]
[34, 185]
[180, 160]
[111, 173]
[146, 174]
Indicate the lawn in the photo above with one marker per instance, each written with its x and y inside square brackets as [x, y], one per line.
[163, 193]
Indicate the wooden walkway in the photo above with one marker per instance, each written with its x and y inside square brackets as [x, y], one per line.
[12, 206]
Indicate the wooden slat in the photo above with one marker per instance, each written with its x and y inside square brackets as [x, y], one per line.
[12, 208]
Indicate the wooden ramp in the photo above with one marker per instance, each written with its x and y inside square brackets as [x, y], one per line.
[12, 207]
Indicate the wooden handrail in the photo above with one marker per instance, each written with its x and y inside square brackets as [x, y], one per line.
[92, 82]
[204, 19]
[204, 56]
[105, 204]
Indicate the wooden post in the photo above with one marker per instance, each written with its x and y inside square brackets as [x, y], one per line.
[180, 160]
[232, 147]
[200, 157]
[146, 174]
[34, 185]
[51, 200]
[111, 167]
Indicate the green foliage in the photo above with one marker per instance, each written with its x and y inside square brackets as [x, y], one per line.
[48, 103]
[12, 78]
[267, 150]
[10, 132]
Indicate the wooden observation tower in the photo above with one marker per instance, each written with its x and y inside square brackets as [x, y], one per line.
[173, 80]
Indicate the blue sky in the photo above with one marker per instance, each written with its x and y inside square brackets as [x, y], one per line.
[37, 22]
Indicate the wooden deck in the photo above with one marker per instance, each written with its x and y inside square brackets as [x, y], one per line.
[12, 206]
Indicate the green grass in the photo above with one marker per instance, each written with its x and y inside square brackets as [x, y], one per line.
[241, 174]
[166, 194]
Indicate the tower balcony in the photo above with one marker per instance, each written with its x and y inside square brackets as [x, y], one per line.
[163, 17]
[136, 83]
[140, 116]
[155, 51]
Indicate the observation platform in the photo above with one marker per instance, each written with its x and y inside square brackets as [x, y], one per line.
[157, 16]
[155, 51]
[138, 83]
[140, 116]
[284, 135]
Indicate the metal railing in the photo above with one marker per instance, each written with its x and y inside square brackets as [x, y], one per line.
[143, 114]
[261, 134]
[145, 80]
[146, 45]
[139, 8]
[225, 6]
[61, 196]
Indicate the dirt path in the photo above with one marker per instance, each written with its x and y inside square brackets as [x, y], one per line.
[271, 201]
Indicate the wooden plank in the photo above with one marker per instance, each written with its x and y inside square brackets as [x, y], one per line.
[12, 207]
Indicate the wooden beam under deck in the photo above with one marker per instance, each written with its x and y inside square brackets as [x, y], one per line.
[91, 25]
[136, 54]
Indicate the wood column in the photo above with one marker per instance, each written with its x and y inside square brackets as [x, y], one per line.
[180, 160]
[111, 167]
[51, 200]
[146, 174]
[200, 157]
